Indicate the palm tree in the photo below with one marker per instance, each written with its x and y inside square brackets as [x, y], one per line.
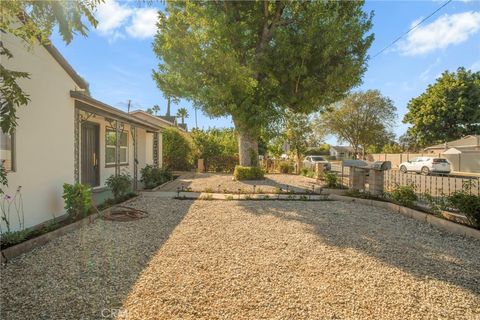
[182, 113]
[155, 109]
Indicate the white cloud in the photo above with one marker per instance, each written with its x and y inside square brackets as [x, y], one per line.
[111, 16]
[446, 30]
[143, 23]
[116, 21]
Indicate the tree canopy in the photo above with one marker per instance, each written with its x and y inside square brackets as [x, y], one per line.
[449, 109]
[252, 60]
[362, 119]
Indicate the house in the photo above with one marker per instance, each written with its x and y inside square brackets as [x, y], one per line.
[342, 152]
[65, 136]
[470, 142]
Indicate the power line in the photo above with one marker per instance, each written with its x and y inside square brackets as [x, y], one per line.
[412, 28]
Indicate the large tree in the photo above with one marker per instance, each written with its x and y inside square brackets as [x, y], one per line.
[32, 22]
[361, 119]
[449, 109]
[251, 60]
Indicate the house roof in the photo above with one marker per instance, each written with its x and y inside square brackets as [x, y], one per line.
[342, 148]
[465, 142]
[86, 103]
[162, 121]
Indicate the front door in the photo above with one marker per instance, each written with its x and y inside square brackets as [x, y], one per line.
[90, 153]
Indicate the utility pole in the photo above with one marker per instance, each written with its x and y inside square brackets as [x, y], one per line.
[129, 102]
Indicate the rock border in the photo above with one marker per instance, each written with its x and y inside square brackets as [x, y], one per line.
[444, 224]
[26, 246]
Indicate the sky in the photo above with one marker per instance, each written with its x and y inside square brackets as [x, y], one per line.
[117, 57]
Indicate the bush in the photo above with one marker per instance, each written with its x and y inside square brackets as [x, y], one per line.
[467, 204]
[308, 173]
[248, 173]
[178, 150]
[222, 163]
[152, 177]
[331, 180]
[120, 185]
[78, 199]
[286, 167]
[404, 195]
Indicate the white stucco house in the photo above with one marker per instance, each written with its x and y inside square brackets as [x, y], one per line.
[65, 136]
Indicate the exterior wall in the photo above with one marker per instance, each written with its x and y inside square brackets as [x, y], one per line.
[44, 137]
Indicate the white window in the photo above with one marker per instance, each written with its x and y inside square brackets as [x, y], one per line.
[111, 147]
[7, 143]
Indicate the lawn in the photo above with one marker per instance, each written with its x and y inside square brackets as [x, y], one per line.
[246, 260]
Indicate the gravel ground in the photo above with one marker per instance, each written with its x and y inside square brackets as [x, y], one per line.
[248, 260]
[200, 182]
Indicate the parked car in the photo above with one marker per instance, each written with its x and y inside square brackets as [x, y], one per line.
[426, 165]
[310, 161]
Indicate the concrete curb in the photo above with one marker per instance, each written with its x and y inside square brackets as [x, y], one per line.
[26, 246]
[417, 215]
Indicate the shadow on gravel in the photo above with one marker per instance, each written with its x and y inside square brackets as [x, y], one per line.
[412, 246]
[87, 274]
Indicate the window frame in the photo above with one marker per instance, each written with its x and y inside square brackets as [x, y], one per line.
[13, 155]
[114, 147]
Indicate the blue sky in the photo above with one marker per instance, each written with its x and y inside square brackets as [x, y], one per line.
[117, 58]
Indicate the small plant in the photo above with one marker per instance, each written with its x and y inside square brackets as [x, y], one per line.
[206, 197]
[303, 197]
[331, 179]
[152, 177]
[291, 197]
[248, 173]
[468, 204]
[78, 199]
[404, 195]
[208, 190]
[248, 197]
[308, 173]
[11, 238]
[266, 197]
[260, 190]
[278, 190]
[120, 185]
[229, 197]
[286, 167]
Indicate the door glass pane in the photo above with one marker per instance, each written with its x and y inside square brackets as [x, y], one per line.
[110, 155]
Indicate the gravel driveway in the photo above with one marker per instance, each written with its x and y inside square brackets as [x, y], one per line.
[218, 182]
[248, 260]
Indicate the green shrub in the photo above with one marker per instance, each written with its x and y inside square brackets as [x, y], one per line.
[468, 204]
[286, 167]
[178, 150]
[78, 199]
[120, 185]
[248, 173]
[308, 173]
[404, 195]
[152, 177]
[331, 180]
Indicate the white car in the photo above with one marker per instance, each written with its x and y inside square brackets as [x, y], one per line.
[426, 165]
[310, 162]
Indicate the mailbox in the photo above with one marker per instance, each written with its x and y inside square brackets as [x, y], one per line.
[355, 163]
[381, 165]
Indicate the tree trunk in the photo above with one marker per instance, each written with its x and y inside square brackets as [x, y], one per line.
[247, 149]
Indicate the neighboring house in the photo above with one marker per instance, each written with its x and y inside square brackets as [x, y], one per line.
[470, 142]
[163, 121]
[65, 136]
[342, 152]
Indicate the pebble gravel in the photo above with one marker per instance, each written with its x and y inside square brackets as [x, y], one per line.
[248, 260]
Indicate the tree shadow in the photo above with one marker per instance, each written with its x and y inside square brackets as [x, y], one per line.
[88, 273]
[398, 241]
